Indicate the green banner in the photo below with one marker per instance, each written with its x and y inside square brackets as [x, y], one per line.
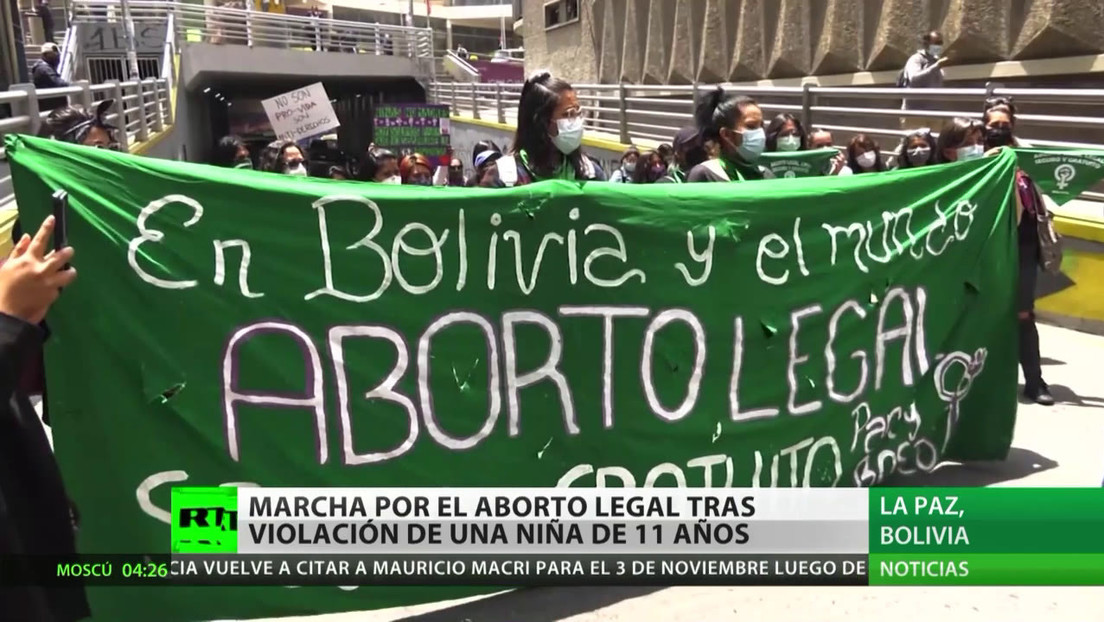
[241, 328]
[798, 163]
[1062, 174]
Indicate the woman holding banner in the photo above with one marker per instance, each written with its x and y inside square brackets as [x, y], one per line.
[735, 125]
[785, 133]
[1031, 214]
[960, 140]
[549, 138]
[916, 149]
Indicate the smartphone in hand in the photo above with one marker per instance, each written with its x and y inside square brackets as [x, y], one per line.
[61, 227]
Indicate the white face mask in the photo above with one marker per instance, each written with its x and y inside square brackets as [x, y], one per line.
[971, 152]
[394, 179]
[298, 170]
[630, 167]
[789, 143]
[935, 50]
[867, 159]
[570, 135]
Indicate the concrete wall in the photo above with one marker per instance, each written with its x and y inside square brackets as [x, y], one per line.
[568, 50]
[680, 41]
[164, 146]
[203, 62]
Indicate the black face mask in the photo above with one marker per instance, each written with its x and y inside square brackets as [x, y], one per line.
[998, 137]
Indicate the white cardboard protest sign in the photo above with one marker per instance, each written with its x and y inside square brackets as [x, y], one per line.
[302, 113]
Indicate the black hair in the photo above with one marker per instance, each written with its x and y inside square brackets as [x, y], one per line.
[927, 37]
[226, 150]
[953, 134]
[483, 145]
[1001, 104]
[853, 163]
[902, 151]
[540, 95]
[272, 157]
[995, 139]
[373, 159]
[775, 128]
[642, 174]
[666, 151]
[719, 110]
[72, 125]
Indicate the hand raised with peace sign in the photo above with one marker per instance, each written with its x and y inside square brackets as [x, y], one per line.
[32, 276]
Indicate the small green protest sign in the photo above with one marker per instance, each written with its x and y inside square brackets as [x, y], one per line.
[1062, 174]
[809, 163]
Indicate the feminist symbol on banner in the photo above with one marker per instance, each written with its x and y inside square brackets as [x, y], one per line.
[971, 367]
[1064, 174]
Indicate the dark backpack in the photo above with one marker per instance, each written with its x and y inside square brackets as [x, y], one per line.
[902, 80]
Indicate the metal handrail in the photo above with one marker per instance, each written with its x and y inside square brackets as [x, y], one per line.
[141, 107]
[633, 107]
[210, 24]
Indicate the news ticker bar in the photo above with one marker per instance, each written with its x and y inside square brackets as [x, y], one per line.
[914, 522]
[554, 570]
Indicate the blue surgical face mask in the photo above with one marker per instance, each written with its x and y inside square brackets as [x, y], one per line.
[753, 144]
[970, 152]
[935, 50]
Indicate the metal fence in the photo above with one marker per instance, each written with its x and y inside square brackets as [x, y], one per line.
[631, 114]
[208, 24]
[141, 108]
[103, 69]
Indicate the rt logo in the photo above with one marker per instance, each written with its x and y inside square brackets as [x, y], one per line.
[206, 523]
[1064, 174]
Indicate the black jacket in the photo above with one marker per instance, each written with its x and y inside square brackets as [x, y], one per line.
[46, 77]
[35, 513]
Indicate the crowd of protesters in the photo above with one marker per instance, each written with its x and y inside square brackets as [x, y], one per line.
[724, 144]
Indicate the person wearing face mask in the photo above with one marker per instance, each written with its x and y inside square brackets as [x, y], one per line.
[735, 124]
[822, 139]
[416, 170]
[863, 156]
[380, 166]
[959, 141]
[924, 70]
[916, 149]
[549, 137]
[456, 172]
[785, 133]
[1000, 122]
[283, 157]
[624, 174]
[232, 152]
[650, 168]
[688, 152]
